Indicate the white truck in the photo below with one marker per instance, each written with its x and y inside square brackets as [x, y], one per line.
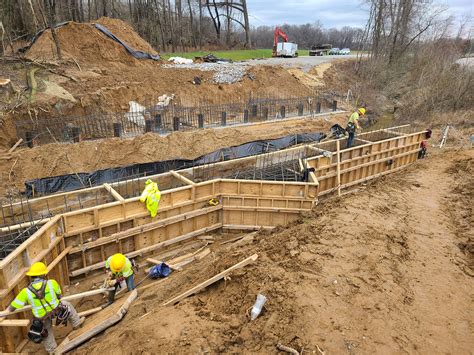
[287, 49]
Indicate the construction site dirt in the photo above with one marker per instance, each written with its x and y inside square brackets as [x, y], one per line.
[384, 267]
[397, 283]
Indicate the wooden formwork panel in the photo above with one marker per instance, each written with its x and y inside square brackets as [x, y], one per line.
[47, 206]
[139, 237]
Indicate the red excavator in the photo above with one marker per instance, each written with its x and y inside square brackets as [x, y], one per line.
[285, 48]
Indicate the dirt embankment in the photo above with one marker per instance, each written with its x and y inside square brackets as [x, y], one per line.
[87, 156]
[372, 272]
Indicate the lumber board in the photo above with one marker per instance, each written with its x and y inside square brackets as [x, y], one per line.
[182, 178]
[58, 258]
[113, 192]
[101, 321]
[246, 227]
[14, 322]
[210, 281]
[90, 311]
[157, 262]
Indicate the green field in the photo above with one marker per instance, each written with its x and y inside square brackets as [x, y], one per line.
[235, 55]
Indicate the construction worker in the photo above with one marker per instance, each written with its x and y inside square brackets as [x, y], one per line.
[44, 296]
[119, 268]
[353, 125]
[151, 195]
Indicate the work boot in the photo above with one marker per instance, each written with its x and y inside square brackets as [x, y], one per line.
[80, 324]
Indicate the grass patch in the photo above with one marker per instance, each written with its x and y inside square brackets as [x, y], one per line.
[235, 55]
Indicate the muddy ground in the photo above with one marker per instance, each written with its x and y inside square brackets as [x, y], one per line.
[387, 269]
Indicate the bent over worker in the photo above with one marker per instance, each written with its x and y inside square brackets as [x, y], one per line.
[151, 195]
[44, 297]
[119, 268]
[353, 124]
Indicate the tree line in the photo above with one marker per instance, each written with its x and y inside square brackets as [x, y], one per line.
[168, 25]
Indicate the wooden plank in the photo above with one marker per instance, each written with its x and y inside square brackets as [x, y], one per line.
[14, 322]
[338, 152]
[103, 320]
[58, 258]
[246, 227]
[157, 262]
[15, 146]
[113, 192]
[90, 311]
[210, 281]
[182, 178]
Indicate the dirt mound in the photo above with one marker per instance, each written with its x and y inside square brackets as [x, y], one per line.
[85, 44]
[335, 280]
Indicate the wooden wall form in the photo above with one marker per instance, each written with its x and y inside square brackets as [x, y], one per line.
[20, 214]
[366, 161]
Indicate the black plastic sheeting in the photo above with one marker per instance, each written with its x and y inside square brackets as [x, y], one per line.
[136, 54]
[71, 182]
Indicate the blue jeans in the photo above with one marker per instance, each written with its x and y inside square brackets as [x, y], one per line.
[350, 140]
[130, 286]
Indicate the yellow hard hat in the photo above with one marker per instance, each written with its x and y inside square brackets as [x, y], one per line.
[37, 269]
[117, 262]
[362, 111]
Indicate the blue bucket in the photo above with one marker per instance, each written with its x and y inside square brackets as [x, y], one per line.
[159, 271]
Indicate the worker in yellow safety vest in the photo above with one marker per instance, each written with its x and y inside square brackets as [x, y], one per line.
[44, 297]
[119, 268]
[151, 195]
[353, 125]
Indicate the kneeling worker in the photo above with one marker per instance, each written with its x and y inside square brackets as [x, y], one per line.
[44, 297]
[119, 268]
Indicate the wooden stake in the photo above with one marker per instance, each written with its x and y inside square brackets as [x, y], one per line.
[338, 152]
[210, 281]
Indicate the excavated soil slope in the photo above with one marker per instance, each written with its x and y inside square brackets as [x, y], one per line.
[87, 156]
[373, 272]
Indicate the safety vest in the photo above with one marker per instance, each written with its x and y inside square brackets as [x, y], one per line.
[126, 271]
[39, 307]
[152, 195]
[354, 118]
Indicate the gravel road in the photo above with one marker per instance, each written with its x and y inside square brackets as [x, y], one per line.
[303, 62]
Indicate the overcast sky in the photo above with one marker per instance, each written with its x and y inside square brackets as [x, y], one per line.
[332, 13]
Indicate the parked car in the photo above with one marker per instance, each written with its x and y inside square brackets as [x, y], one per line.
[334, 51]
[345, 51]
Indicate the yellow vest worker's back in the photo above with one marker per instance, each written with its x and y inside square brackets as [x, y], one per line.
[40, 308]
